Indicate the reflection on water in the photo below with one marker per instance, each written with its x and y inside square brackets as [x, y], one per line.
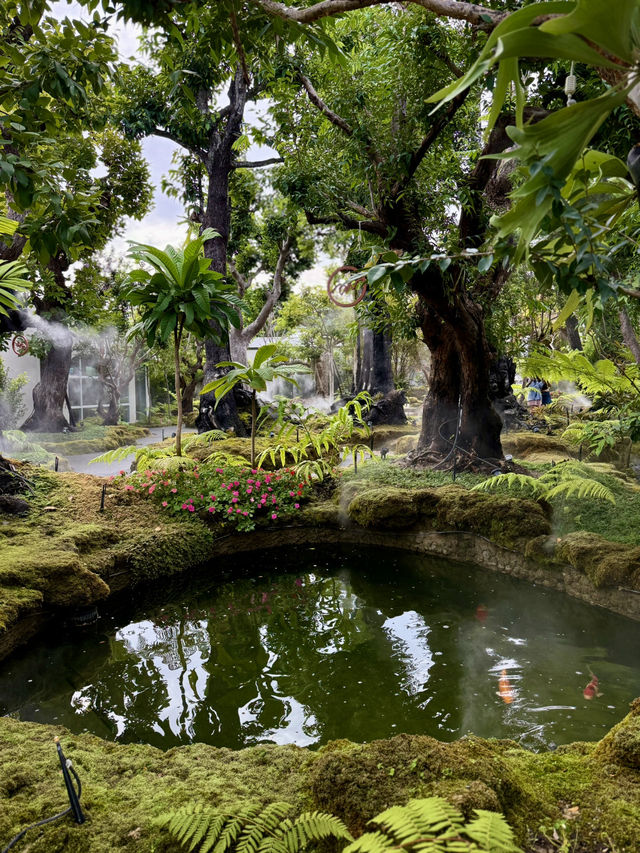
[355, 643]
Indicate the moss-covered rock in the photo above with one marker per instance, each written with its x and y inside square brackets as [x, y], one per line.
[167, 550]
[388, 508]
[605, 563]
[508, 521]
[356, 781]
[622, 744]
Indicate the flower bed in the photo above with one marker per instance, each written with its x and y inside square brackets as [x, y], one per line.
[235, 496]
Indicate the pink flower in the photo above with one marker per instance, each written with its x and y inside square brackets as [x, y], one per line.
[184, 506]
[296, 506]
[229, 510]
[274, 515]
[245, 512]
[196, 475]
[173, 491]
[234, 500]
[129, 488]
[249, 490]
[235, 494]
[249, 482]
[191, 508]
[211, 509]
[121, 473]
[166, 483]
[273, 499]
[257, 484]
[267, 479]
[219, 470]
[238, 510]
[164, 503]
[292, 494]
[152, 489]
[212, 497]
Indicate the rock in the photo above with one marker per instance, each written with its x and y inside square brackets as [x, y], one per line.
[13, 505]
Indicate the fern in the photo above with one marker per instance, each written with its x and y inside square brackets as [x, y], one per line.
[432, 825]
[251, 829]
[566, 480]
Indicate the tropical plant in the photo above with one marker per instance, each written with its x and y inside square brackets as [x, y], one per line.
[264, 369]
[315, 453]
[180, 294]
[429, 825]
[566, 480]
[13, 274]
[571, 30]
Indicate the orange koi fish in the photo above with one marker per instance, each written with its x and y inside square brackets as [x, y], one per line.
[591, 690]
[505, 690]
[482, 611]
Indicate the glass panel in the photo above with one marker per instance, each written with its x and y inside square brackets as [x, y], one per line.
[90, 392]
[74, 392]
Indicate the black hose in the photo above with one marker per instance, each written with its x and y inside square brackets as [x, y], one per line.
[46, 820]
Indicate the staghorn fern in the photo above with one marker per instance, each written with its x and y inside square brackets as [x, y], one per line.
[567, 480]
[432, 825]
[251, 829]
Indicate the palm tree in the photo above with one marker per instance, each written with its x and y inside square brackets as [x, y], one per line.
[263, 370]
[180, 294]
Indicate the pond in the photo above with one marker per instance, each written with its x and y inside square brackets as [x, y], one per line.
[324, 643]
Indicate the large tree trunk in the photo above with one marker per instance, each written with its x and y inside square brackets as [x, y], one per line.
[50, 393]
[217, 215]
[573, 332]
[629, 335]
[376, 368]
[459, 423]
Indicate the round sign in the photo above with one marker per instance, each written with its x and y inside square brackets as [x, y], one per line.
[346, 292]
[20, 345]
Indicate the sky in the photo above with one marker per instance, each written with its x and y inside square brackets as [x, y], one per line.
[161, 225]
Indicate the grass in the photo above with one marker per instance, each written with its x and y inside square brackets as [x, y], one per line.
[385, 473]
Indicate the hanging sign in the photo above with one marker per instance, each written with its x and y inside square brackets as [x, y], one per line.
[20, 345]
[345, 292]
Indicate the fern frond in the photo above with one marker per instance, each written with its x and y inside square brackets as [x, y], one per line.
[266, 822]
[491, 831]
[234, 826]
[205, 438]
[115, 455]
[512, 481]
[581, 487]
[293, 836]
[432, 825]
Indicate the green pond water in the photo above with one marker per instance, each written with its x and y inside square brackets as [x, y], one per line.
[310, 644]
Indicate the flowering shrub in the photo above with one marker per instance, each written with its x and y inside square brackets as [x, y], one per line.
[235, 496]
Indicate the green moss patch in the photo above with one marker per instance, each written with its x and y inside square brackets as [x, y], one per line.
[91, 439]
[605, 563]
[126, 788]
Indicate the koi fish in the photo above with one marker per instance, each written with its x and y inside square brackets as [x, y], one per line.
[482, 611]
[505, 690]
[591, 690]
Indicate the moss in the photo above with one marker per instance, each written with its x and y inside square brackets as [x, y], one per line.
[92, 439]
[541, 549]
[325, 514]
[535, 445]
[357, 781]
[392, 509]
[170, 549]
[508, 521]
[605, 563]
[16, 602]
[622, 744]
[126, 788]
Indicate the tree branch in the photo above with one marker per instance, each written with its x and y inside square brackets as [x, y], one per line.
[370, 226]
[257, 164]
[166, 134]
[317, 101]
[441, 120]
[254, 328]
[479, 16]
